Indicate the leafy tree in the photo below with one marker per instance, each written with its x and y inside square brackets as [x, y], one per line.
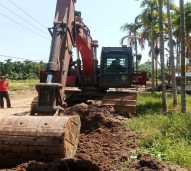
[18, 70]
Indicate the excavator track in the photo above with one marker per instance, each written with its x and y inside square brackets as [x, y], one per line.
[24, 138]
[123, 102]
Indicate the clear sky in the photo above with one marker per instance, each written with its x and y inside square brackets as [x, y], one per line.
[23, 37]
[104, 18]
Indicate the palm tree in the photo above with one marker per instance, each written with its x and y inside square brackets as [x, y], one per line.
[171, 52]
[161, 28]
[150, 32]
[132, 36]
[146, 26]
[148, 17]
[183, 80]
[188, 28]
[176, 25]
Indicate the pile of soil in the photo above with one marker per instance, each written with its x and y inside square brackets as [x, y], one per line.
[107, 147]
[93, 117]
[147, 163]
[103, 140]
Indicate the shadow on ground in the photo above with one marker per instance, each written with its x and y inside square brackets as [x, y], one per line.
[148, 108]
[60, 165]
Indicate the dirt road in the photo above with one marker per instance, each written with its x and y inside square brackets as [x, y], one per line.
[20, 102]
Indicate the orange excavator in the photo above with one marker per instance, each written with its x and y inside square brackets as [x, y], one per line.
[47, 133]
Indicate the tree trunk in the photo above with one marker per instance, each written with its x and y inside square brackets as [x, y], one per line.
[183, 80]
[172, 65]
[136, 50]
[152, 53]
[153, 62]
[178, 55]
[156, 70]
[164, 103]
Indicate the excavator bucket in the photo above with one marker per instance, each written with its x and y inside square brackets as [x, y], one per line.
[43, 138]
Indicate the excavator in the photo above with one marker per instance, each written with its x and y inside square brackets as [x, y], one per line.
[47, 133]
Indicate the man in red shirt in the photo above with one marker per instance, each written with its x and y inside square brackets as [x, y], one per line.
[4, 85]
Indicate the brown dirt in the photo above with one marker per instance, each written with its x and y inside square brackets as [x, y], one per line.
[20, 101]
[147, 163]
[103, 140]
[64, 165]
[93, 117]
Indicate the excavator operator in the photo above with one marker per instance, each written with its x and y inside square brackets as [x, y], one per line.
[116, 66]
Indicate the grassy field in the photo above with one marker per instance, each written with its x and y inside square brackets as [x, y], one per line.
[166, 137]
[22, 84]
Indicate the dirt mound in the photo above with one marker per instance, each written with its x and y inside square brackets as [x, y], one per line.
[146, 163]
[93, 117]
[61, 165]
[103, 140]
[107, 148]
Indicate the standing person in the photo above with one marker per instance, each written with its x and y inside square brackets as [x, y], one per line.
[4, 86]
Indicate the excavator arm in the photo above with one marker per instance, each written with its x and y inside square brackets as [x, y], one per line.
[68, 31]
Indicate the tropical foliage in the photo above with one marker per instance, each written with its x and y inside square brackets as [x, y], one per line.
[160, 26]
[18, 70]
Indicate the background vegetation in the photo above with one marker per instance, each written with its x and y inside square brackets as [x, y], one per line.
[15, 85]
[17, 70]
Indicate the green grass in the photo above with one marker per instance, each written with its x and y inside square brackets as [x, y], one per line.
[16, 85]
[166, 137]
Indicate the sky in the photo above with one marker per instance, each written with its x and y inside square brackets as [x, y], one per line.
[24, 23]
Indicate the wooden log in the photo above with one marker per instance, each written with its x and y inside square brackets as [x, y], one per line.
[24, 138]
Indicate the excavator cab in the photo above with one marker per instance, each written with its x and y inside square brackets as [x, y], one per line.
[116, 67]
